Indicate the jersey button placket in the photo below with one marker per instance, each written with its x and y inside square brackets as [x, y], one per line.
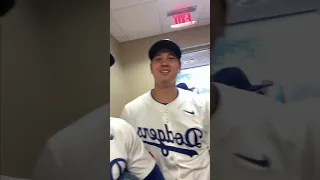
[166, 116]
[167, 120]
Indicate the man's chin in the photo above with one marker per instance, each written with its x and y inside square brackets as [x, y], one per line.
[166, 81]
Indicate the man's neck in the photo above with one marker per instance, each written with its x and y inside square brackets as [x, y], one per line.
[165, 95]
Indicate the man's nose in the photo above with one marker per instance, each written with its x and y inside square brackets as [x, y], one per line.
[164, 62]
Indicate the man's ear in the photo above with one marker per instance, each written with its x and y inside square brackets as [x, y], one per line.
[151, 68]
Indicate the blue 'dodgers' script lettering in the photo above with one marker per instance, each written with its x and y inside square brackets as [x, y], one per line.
[191, 138]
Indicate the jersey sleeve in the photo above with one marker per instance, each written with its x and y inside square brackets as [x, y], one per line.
[140, 162]
[126, 116]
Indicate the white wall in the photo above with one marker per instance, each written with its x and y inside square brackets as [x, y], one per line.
[118, 85]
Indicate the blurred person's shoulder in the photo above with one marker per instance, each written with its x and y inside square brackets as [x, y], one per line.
[240, 108]
[190, 95]
[77, 151]
[249, 104]
[189, 99]
[139, 102]
[252, 125]
[307, 111]
[86, 131]
[307, 105]
[205, 97]
[121, 126]
[245, 100]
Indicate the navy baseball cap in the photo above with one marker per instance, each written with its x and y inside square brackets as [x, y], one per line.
[164, 44]
[235, 77]
[183, 86]
[111, 60]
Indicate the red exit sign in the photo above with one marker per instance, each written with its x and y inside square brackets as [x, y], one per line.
[182, 18]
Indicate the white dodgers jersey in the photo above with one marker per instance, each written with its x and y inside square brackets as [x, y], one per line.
[176, 134]
[127, 151]
[255, 137]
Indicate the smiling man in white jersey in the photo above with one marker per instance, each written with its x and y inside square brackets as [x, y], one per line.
[79, 152]
[173, 123]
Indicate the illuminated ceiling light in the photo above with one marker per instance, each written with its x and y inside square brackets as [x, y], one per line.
[181, 25]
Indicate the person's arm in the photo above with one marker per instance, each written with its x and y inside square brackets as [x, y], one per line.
[140, 162]
[49, 165]
[125, 115]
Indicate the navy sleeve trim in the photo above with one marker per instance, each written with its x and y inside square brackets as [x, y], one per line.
[155, 174]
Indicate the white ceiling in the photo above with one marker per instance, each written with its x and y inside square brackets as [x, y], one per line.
[135, 19]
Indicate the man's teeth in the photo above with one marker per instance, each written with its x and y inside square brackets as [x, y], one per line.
[165, 71]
